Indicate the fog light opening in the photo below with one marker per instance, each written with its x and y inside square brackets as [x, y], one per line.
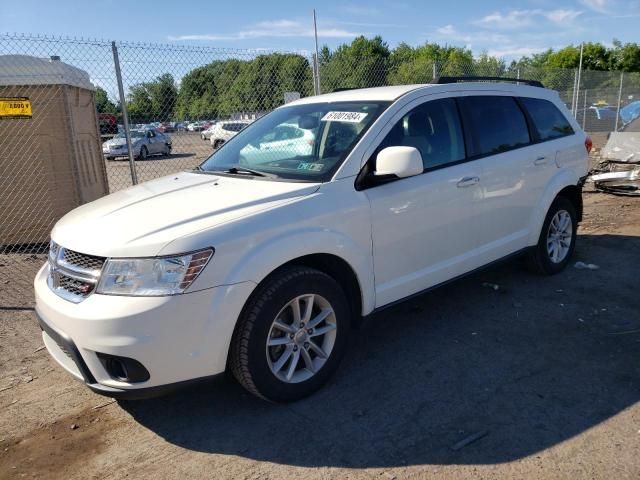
[124, 369]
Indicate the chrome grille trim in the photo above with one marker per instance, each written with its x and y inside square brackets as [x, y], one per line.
[73, 275]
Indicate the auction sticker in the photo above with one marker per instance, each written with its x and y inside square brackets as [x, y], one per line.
[351, 117]
[15, 107]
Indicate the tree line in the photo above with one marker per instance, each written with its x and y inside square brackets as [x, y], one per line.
[222, 87]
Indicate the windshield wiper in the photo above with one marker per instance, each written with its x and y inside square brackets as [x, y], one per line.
[248, 171]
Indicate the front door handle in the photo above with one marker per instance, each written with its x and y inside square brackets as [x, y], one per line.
[467, 182]
[540, 161]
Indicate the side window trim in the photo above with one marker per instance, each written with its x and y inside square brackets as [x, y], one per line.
[534, 136]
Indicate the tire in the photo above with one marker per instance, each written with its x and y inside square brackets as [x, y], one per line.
[259, 367]
[541, 258]
[167, 151]
[110, 158]
[144, 153]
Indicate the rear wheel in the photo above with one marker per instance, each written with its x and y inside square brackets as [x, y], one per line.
[144, 153]
[291, 336]
[557, 239]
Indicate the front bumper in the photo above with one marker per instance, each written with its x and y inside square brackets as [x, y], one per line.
[179, 339]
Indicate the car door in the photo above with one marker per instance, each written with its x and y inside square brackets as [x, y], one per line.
[424, 227]
[152, 145]
[515, 171]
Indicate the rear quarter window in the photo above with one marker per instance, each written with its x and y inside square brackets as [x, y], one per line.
[548, 120]
[496, 122]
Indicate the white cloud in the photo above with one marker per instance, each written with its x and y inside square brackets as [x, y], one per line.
[449, 33]
[272, 28]
[602, 6]
[515, 52]
[513, 19]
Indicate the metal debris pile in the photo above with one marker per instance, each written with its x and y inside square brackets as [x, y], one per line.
[618, 171]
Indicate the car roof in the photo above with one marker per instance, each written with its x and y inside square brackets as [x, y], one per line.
[394, 92]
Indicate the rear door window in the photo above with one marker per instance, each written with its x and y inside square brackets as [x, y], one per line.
[497, 123]
[549, 122]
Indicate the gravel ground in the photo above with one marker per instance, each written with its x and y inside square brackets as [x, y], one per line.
[544, 370]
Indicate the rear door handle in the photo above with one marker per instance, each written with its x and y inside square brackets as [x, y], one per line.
[540, 161]
[467, 182]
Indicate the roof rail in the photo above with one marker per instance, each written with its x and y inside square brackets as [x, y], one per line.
[533, 83]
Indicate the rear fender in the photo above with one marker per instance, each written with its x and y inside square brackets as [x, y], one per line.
[563, 178]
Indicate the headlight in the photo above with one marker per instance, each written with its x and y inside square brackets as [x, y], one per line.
[152, 276]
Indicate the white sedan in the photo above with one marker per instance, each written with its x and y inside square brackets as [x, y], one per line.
[283, 142]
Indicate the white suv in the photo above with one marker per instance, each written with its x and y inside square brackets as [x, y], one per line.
[221, 132]
[262, 264]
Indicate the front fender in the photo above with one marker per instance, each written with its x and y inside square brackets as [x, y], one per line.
[562, 179]
[256, 264]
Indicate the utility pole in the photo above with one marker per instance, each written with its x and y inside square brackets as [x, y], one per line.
[579, 78]
[317, 62]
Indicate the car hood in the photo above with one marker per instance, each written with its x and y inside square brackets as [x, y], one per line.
[117, 142]
[141, 220]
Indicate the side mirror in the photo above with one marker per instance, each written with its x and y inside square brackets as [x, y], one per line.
[399, 161]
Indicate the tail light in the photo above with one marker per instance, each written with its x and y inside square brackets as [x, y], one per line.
[588, 144]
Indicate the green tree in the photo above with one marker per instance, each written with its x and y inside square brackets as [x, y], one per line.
[362, 63]
[103, 104]
[153, 101]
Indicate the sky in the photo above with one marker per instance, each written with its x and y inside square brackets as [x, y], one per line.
[508, 29]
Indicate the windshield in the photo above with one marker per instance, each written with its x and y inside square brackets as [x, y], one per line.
[302, 142]
[134, 134]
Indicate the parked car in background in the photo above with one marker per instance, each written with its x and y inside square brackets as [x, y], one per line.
[166, 127]
[599, 118]
[108, 124]
[223, 131]
[206, 134]
[284, 141]
[145, 143]
[197, 126]
[630, 112]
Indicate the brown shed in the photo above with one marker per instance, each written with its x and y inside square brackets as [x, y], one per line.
[52, 162]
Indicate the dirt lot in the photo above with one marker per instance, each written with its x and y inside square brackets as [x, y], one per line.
[545, 370]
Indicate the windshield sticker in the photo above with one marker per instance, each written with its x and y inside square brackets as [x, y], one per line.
[351, 117]
[313, 167]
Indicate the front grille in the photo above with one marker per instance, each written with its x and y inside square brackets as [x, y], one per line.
[73, 286]
[87, 262]
[73, 275]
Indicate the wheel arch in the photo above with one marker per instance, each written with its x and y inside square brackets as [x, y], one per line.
[573, 193]
[565, 183]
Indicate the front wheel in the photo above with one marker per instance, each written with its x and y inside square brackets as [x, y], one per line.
[557, 239]
[144, 153]
[291, 336]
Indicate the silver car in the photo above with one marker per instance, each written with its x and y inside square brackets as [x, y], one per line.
[143, 142]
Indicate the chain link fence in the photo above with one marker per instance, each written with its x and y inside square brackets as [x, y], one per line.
[179, 104]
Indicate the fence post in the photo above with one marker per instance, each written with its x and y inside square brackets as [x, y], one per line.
[573, 93]
[579, 80]
[314, 72]
[619, 100]
[125, 116]
[317, 62]
[584, 109]
[435, 70]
